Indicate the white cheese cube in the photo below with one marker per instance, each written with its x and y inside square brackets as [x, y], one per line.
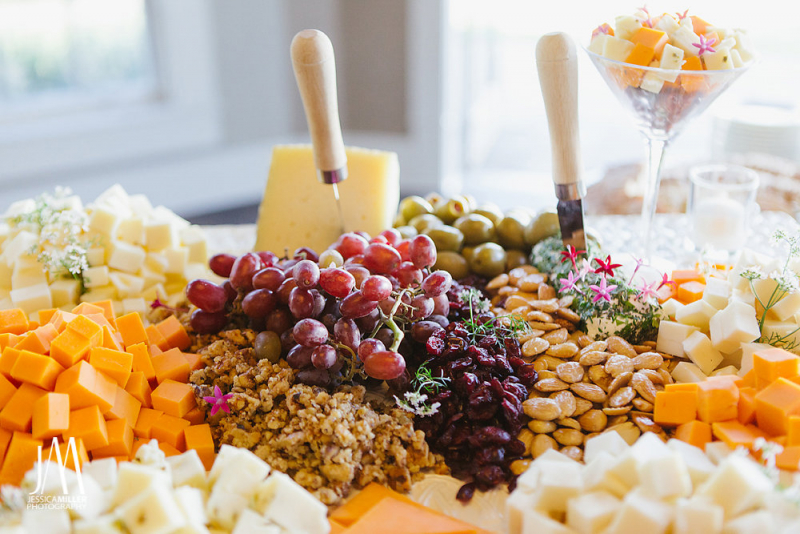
[717, 451]
[736, 58]
[156, 262]
[684, 38]
[127, 285]
[28, 275]
[241, 462]
[51, 521]
[647, 448]
[32, 298]
[610, 442]
[743, 45]
[668, 24]
[152, 510]
[5, 276]
[193, 238]
[727, 42]
[96, 276]
[760, 521]
[746, 296]
[534, 521]
[6, 304]
[108, 292]
[671, 59]
[159, 235]
[671, 307]
[625, 26]
[737, 485]
[165, 214]
[103, 470]
[97, 499]
[734, 325]
[20, 245]
[688, 372]
[693, 516]
[65, 291]
[187, 470]
[786, 332]
[717, 292]
[191, 503]
[131, 231]
[529, 480]
[719, 60]
[652, 82]
[224, 508]
[177, 259]
[697, 463]
[765, 289]
[250, 522]
[558, 482]
[516, 505]
[115, 196]
[591, 512]
[132, 305]
[725, 371]
[140, 205]
[280, 497]
[104, 220]
[598, 43]
[96, 256]
[151, 277]
[134, 478]
[665, 477]
[126, 257]
[701, 351]
[786, 308]
[697, 314]
[671, 336]
[616, 48]
[597, 476]
[640, 514]
[105, 524]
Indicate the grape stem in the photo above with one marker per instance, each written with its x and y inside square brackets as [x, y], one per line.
[398, 333]
[353, 369]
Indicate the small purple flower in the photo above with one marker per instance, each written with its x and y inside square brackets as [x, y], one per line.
[218, 401]
[603, 291]
[705, 45]
[568, 283]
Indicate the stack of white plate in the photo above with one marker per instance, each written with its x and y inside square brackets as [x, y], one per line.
[763, 129]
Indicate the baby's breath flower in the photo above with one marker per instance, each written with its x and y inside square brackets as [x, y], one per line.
[753, 272]
[787, 281]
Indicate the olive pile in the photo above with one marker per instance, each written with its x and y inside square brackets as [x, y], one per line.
[472, 238]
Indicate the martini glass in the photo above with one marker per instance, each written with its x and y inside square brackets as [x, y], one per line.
[661, 114]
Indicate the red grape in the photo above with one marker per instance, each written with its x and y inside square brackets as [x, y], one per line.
[259, 303]
[288, 267]
[437, 283]
[407, 274]
[270, 278]
[299, 357]
[385, 336]
[230, 293]
[423, 307]
[310, 333]
[422, 330]
[422, 251]
[369, 321]
[315, 377]
[243, 270]
[379, 239]
[346, 332]
[359, 272]
[363, 234]
[376, 288]
[358, 259]
[355, 305]
[337, 282]
[268, 258]
[319, 303]
[392, 236]
[285, 290]
[279, 321]
[350, 244]
[368, 346]
[441, 305]
[221, 264]
[402, 248]
[305, 253]
[323, 357]
[301, 303]
[306, 274]
[381, 259]
[208, 323]
[385, 365]
[206, 295]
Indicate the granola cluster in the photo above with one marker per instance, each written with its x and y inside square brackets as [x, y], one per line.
[329, 442]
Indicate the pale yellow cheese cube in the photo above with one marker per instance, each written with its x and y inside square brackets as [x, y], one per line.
[540, 523]
[558, 482]
[652, 82]
[159, 235]
[610, 442]
[193, 238]
[177, 259]
[701, 351]
[671, 307]
[140, 205]
[20, 245]
[597, 476]
[151, 277]
[734, 325]
[625, 26]
[786, 308]
[725, 371]
[96, 276]
[96, 256]
[597, 43]
[748, 349]
[131, 231]
[671, 336]
[719, 59]
[103, 220]
[737, 485]
[156, 262]
[717, 451]
[126, 257]
[697, 314]
[688, 372]
[65, 291]
[640, 514]
[517, 504]
[788, 333]
[697, 463]
[693, 516]
[107, 292]
[6, 303]
[28, 274]
[616, 48]
[684, 38]
[665, 477]
[668, 24]
[136, 304]
[5, 275]
[717, 292]
[153, 292]
[736, 58]
[32, 298]
[127, 285]
[754, 522]
[591, 512]
[368, 197]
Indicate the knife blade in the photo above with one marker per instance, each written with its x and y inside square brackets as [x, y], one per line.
[314, 68]
[557, 64]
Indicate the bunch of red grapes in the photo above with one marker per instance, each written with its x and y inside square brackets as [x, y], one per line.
[352, 303]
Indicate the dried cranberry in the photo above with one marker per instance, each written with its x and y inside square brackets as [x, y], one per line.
[435, 345]
[512, 347]
[466, 492]
[466, 383]
[490, 474]
[515, 447]
[490, 455]
[493, 434]
[488, 342]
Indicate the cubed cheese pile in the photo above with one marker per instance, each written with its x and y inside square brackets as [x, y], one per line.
[154, 494]
[672, 42]
[376, 508]
[649, 487]
[765, 403]
[106, 381]
[134, 252]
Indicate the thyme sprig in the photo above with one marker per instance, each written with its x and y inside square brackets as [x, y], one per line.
[415, 401]
[502, 326]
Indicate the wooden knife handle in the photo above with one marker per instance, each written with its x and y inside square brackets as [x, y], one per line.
[557, 63]
[315, 72]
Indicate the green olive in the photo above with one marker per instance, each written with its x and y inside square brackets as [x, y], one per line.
[267, 346]
[476, 229]
[515, 258]
[446, 237]
[412, 206]
[399, 221]
[488, 259]
[542, 226]
[435, 199]
[490, 211]
[471, 201]
[425, 221]
[467, 253]
[511, 230]
[407, 231]
[453, 263]
[451, 210]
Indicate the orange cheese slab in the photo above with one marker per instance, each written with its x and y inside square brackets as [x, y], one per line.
[690, 292]
[641, 55]
[8, 340]
[139, 387]
[195, 416]
[18, 412]
[22, 453]
[198, 437]
[66, 453]
[789, 458]
[7, 391]
[13, 322]
[69, 347]
[108, 311]
[747, 405]
[5, 439]
[7, 360]
[173, 398]
[85, 308]
[365, 500]
[114, 364]
[38, 340]
[50, 415]
[171, 365]
[651, 38]
[142, 361]
[131, 328]
[687, 275]
[774, 405]
[155, 337]
[393, 516]
[174, 332]
[735, 434]
[89, 425]
[89, 329]
[144, 423]
[120, 440]
[771, 364]
[170, 430]
[717, 400]
[673, 408]
[111, 340]
[86, 387]
[695, 433]
[195, 361]
[125, 407]
[36, 369]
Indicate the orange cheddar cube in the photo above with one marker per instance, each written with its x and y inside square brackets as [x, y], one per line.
[8, 340]
[171, 365]
[38, 340]
[195, 416]
[747, 405]
[651, 38]
[673, 408]
[142, 360]
[641, 55]
[89, 329]
[18, 412]
[173, 398]
[695, 433]
[131, 328]
[793, 430]
[735, 434]
[154, 350]
[100, 320]
[717, 400]
[69, 347]
[5, 439]
[7, 360]
[155, 337]
[67, 455]
[120, 440]
[686, 386]
[198, 437]
[22, 453]
[50, 415]
[108, 310]
[86, 387]
[168, 449]
[411, 518]
[125, 407]
[89, 425]
[174, 332]
[46, 315]
[690, 292]
[60, 319]
[351, 511]
[699, 26]
[13, 322]
[144, 423]
[36, 369]
[770, 364]
[170, 430]
[139, 387]
[789, 458]
[748, 380]
[85, 308]
[195, 361]
[111, 340]
[775, 403]
[7, 390]
[114, 364]
[687, 275]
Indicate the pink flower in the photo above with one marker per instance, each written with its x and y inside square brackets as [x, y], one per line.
[218, 401]
[603, 291]
[639, 263]
[683, 15]
[705, 46]
[586, 268]
[648, 290]
[606, 268]
[568, 283]
[665, 281]
[571, 254]
[603, 28]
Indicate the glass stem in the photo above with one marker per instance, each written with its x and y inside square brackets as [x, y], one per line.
[655, 156]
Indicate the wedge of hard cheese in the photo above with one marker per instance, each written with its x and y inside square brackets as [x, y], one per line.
[299, 211]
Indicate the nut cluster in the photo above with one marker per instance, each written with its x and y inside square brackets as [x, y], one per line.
[584, 386]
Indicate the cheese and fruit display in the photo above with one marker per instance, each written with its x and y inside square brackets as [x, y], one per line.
[430, 365]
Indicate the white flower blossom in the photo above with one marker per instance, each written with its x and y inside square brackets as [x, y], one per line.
[753, 272]
[787, 281]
